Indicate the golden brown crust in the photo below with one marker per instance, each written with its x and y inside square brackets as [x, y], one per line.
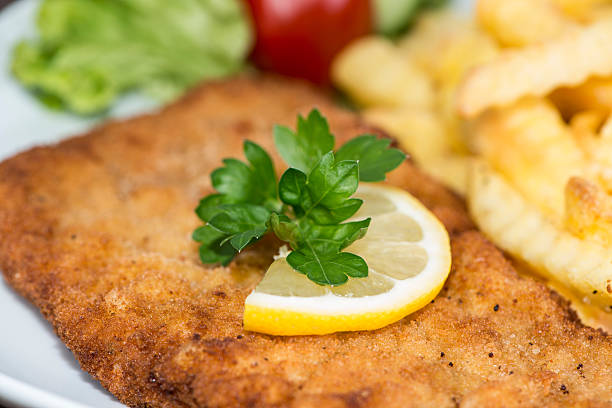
[96, 233]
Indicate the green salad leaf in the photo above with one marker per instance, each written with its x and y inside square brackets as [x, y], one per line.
[394, 16]
[89, 52]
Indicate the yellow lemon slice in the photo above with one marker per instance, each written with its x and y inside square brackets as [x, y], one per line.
[407, 250]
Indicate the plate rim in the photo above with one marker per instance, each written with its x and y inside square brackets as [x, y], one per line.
[21, 394]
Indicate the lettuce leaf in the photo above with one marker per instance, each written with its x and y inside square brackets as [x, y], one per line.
[394, 16]
[91, 51]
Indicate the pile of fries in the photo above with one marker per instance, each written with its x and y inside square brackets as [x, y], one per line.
[513, 111]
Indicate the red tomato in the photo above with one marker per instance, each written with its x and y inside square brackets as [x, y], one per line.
[300, 37]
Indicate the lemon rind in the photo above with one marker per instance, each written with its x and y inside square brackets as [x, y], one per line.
[294, 315]
[291, 323]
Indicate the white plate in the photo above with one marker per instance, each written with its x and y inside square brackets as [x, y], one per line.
[36, 369]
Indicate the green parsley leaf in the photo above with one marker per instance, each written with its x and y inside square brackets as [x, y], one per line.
[294, 190]
[233, 180]
[213, 250]
[329, 239]
[262, 168]
[318, 255]
[241, 183]
[292, 187]
[285, 229]
[303, 149]
[328, 270]
[374, 156]
[331, 183]
[242, 223]
[306, 208]
[209, 206]
[241, 240]
[334, 215]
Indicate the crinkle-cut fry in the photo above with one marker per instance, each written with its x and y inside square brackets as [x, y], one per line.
[538, 69]
[446, 46]
[540, 21]
[589, 315]
[594, 94]
[606, 130]
[522, 230]
[532, 147]
[451, 169]
[588, 211]
[432, 31]
[587, 123]
[455, 126]
[461, 53]
[592, 130]
[373, 72]
[581, 10]
[600, 12]
[422, 133]
[419, 131]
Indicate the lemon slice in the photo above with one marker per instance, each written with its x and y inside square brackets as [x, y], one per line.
[407, 250]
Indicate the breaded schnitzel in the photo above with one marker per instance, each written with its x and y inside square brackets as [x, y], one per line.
[96, 233]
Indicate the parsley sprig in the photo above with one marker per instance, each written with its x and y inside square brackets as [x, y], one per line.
[306, 208]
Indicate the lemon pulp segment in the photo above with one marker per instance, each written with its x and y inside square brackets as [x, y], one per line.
[408, 253]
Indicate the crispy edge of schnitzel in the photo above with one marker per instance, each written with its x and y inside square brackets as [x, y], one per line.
[156, 337]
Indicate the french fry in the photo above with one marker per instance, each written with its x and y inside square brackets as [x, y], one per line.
[541, 195]
[533, 148]
[446, 46]
[583, 267]
[593, 133]
[373, 73]
[424, 136]
[540, 21]
[599, 12]
[594, 317]
[588, 212]
[538, 69]
[606, 130]
[587, 123]
[419, 131]
[432, 31]
[451, 169]
[453, 124]
[594, 94]
[582, 10]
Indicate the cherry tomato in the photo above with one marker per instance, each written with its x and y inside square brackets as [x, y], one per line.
[300, 37]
